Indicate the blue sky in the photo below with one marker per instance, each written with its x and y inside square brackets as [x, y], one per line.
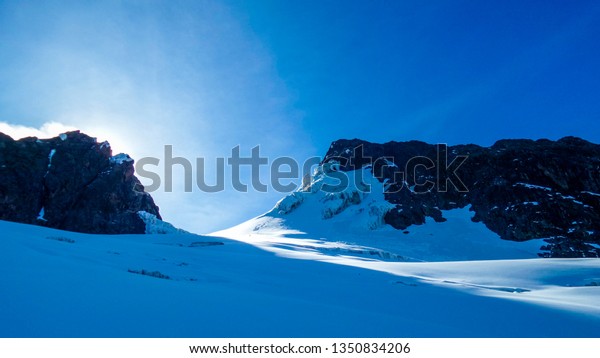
[292, 76]
[449, 71]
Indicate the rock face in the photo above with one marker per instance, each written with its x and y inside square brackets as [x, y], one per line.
[520, 189]
[73, 183]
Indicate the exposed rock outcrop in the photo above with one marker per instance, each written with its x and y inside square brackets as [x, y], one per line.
[520, 189]
[73, 183]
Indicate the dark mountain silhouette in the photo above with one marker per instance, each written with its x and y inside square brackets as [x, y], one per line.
[73, 183]
[520, 189]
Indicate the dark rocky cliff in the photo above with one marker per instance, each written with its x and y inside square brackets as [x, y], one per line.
[520, 189]
[73, 183]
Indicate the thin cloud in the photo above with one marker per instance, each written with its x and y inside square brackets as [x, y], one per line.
[46, 130]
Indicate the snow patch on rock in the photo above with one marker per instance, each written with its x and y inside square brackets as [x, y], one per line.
[41, 214]
[120, 158]
[362, 192]
[156, 226]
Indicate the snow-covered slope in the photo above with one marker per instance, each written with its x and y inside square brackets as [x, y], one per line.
[320, 264]
[354, 217]
[63, 284]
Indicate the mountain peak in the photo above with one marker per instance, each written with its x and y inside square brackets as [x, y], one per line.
[71, 182]
[521, 189]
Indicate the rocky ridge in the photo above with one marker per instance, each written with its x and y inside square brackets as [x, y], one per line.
[520, 189]
[71, 182]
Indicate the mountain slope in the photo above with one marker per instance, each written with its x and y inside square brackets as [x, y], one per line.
[356, 217]
[322, 263]
[520, 189]
[64, 284]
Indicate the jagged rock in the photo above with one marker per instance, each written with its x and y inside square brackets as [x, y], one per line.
[71, 182]
[520, 189]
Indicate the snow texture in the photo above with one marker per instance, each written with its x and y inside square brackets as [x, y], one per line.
[531, 186]
[64, 284]
[41, 215]
[52, 152]
[121, 158]
[317, 265]
[156, 226]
